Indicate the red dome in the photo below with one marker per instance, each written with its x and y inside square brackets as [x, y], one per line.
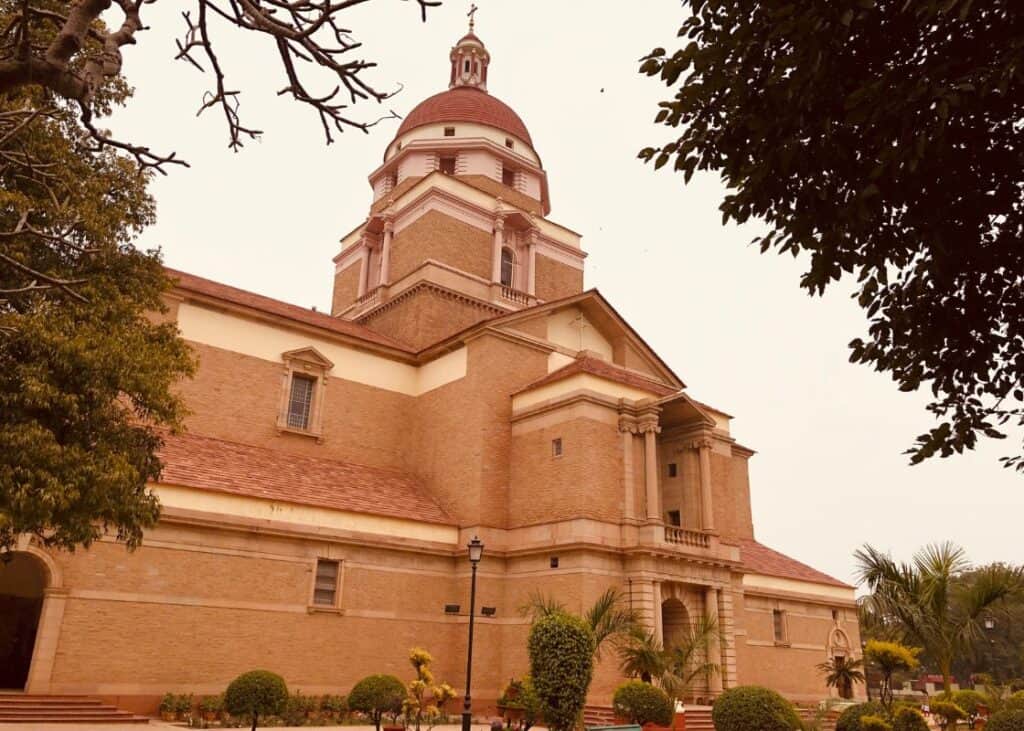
[466, 104]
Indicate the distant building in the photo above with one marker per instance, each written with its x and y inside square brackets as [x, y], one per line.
[316, 513]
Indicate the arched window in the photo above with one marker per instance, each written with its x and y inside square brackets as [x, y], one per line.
[507, 265]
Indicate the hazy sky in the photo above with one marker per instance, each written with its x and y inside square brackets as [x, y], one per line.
[829, 473]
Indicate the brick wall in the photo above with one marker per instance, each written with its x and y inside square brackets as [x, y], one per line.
[443, 238]
[555, 280]
[346, 287]
[731, 496]
[425, 317]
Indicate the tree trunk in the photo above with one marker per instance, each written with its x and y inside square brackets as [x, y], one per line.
[255, 719]
[947, 675]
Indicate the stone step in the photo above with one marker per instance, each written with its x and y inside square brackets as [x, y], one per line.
[56, 709]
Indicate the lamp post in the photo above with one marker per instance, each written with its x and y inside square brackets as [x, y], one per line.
[476, 551]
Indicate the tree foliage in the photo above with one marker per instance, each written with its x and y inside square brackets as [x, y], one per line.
[1006, 721]
[256, 693]
[62, 48]
[676, 668]
[890, 658]
[928, 603]
[561, 648]
[377, 696]
[86, 365]
[909, 719]
[849, 719]
[882, 139]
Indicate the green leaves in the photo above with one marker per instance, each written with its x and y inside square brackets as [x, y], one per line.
[876, 139]
[561, 648]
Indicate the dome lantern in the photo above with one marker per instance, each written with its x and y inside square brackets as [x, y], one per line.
[469, 59]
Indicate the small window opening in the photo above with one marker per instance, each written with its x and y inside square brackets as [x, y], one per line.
[300, 401]
[675, 518]
[554, 562]
[556, 447]
[835, 615]
[507, 265]
[449, 131]
[509, 143]
[779, 625]
[325, 590]
[673, 469]
[465, 66]
[508, 177]
[448, 165]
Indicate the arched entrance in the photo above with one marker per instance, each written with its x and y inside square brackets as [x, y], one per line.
[675, 622]
[23, 579]
[839, 653]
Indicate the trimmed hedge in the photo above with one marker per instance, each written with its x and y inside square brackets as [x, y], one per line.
[753, 708]
[909, 719]
[561, 667]
[969, 700]
[641, 703]
[377, 696]
[849, 720]
[256, 693]
[874, 723]
[1006, 721]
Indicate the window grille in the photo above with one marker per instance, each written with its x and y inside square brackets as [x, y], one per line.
[779, 624]
[325, 590]
[300, 401]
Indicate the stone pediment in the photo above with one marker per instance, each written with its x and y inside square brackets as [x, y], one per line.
[308, 356]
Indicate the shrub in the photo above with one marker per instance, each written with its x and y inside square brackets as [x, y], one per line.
[751, 707]
[849, 720]
[948, 713]
[641, 703]
[874, 723]
[212, 704]
[335, 705]
[1015, 702]
[909, 719]
[377, 696]
[561, 650]
[969, 700]
[256, 693]
[168, 704]
[1006, 721]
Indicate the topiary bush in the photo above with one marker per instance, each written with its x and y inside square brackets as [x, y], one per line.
[561, 650]
[256, 693]
[947, 713]
[1006, 721]
[752, 708]
[874, 723]
[849, 720]
[641, 703]
[1015, 702]
[909, 719]
[377, 696]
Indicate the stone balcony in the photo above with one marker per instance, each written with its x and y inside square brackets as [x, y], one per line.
[684, 537]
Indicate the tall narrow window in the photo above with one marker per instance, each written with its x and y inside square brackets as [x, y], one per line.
[673, 469]
[508, 177]
[325, 590]
[675, 518]
[556, 447]
[448, 165]
[779, 625]
[507, 265]
[300, 401]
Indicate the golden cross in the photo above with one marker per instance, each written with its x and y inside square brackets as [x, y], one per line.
[472, 11]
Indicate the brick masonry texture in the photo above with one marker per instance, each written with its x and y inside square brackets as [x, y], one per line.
[346, 287]
[556, 280]
[442, 238]
[426, 316]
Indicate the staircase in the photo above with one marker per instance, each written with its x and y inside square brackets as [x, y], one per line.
[698, 718]
[49, 709]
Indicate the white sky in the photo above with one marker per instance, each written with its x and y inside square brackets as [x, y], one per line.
[829, 474]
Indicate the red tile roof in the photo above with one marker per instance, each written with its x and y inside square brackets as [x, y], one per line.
[602, 369]
[239, 469]
[466, 104]
[759, 559]
[199, 285]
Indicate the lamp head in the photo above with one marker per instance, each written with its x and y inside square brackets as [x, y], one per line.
[476, 550]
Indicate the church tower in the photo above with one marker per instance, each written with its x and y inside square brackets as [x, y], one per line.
[458, 230]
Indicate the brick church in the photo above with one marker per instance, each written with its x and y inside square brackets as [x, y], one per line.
[466, 383]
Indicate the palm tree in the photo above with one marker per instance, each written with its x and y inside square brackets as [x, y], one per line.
[674, 669]
[609, 618]
[842, 675]
[931, 607]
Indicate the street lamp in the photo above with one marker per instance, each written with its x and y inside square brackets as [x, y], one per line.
[476, 552]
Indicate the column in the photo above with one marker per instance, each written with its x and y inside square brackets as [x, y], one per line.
[650, 431]
[628, 428]
[714, 646]
[658, 628]
[364, 267]
[499, 240]
[385, 253]
[531, 263]
[707, 512]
